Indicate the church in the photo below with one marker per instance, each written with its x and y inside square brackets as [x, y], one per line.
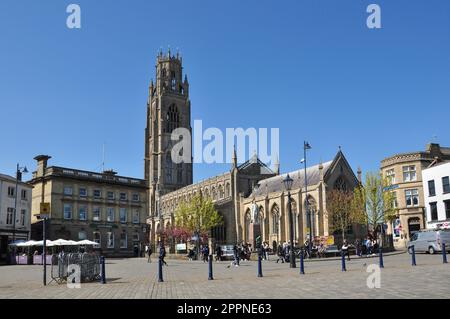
[236, 191]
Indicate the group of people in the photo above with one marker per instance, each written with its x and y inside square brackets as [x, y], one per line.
[368, 246]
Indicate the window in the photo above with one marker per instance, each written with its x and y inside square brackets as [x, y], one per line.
[123, 196]
[11, 191]
[227, 190]
[97, 193]
[82, 212]
[9, 216]
[434, 211]
[136, 237]
[123, 215]
[169, 168]
[110, 195]
[447, 209]
[394, 200]
[446, 184]
[23, 213]
[172, 119]
[110, 214]
[431, 188]
[82, 191]
[135, 197]
[97, 237]
[110, 242]
[96, 214]
[68, 190]
[390, 175]
[67, 211]
[409, 173]
[123, 240]
[136, 217]
[82, 235]
[275, 219]
[24, 194]
[412, 197]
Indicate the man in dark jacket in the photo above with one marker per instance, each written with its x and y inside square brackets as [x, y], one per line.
[162, 254]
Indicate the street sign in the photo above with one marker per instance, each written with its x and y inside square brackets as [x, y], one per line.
[45, 208]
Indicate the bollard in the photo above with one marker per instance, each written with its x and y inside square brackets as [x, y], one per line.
[210, 266]
[381, 257]
[343, 260]
[102, 262]
[160, 271]
[413, 256]
[302, 264]
[259, 265]
[444, 254]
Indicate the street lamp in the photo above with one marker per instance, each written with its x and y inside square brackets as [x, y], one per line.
[306, 146]
[19, 172]
[288, 185]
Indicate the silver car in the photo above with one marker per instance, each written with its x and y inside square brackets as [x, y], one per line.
[429, 241]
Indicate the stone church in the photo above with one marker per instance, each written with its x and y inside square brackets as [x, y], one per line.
[233, 192]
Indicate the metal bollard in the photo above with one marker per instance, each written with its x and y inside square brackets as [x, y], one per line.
[343, 260]
[381, 257]
[160, 271]
[210, 267]
[413, 256]
[259, 265]
[102, 262]
[302, 264]
[444, 254]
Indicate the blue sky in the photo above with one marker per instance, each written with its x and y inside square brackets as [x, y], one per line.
[311, 68]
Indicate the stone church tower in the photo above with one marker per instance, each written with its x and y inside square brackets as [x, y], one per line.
[168, 108]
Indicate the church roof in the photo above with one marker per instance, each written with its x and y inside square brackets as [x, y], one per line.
[275, 184]
[255, 161]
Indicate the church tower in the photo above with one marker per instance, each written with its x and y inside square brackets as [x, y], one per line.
[168, 108]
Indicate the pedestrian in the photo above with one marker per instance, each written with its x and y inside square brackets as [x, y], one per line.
[266, 251]
[218, 253]
[345, 250]
[280, 254]
[149, 253]
[162, 254]
[358, 247]
[205, 252]
[369, 247]
[236, 252]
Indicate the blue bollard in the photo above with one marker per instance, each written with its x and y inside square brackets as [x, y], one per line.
[413, 256]
[259, 265]
[444, 254]
[302, 264]
[343, 260]
[103, 276]
[210, 267]
[381, 257]
[160, 271]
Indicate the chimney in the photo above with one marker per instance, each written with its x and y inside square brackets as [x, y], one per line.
[41, 164]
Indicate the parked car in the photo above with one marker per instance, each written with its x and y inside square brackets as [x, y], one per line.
[429, 241]
[227, 252]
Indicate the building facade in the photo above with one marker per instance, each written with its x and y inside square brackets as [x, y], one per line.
[103, 207]
[404, 173]
[436, 186]
[20, 228]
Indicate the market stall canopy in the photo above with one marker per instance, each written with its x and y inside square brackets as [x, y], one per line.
[63, 242]
[87, 242]
[26, 243]
[48, 243]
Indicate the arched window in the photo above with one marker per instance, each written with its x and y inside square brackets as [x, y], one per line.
[311, 214]
[169, 168]
[219, 232]
[172, 119]
[248, 219]
[340, 184]
[220, 191]
[214, 193]
[227, 190]
[206, 192]
[294, 218]
[275, 212]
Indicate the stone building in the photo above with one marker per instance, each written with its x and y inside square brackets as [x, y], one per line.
[103, 207]
[404, 172]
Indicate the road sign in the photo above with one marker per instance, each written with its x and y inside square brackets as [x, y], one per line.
[45, 208]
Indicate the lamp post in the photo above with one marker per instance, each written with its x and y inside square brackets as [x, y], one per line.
[19, 172]
[288, 185]
[306, 146]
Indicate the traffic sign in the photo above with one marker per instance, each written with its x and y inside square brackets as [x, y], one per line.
[45, 208]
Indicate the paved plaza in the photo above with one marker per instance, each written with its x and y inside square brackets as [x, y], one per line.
[135, 278]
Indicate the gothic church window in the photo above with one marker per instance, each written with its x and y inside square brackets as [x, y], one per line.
[172, 119]
[340, 184]
[275, 219]
[169, 167]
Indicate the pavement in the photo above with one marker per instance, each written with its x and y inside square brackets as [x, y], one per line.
[135, 278]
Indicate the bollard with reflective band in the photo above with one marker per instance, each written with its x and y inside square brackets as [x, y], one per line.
[302, 264]
[210, 267]
[343, 260]
[444, 254]
[259, 265]
[381, 258]
[413, 256]
[160, 271]
[102, 262]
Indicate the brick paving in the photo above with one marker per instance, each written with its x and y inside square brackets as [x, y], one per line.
[135, 278]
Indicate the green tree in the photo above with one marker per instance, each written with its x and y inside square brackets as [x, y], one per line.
[340, 213]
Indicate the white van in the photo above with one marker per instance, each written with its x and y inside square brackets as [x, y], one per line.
[429, 241]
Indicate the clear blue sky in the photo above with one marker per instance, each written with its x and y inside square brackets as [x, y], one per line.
[311, 68]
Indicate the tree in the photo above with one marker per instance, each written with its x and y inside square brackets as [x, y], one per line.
[374, 202]
[198, 215]
[340, 213]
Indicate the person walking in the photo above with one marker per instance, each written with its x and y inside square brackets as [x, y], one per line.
[205, 252]
[235, 261]
[345, 249]
[162, 254]
[218, 253]
[280, 254]
[149, 253]
[369, 247]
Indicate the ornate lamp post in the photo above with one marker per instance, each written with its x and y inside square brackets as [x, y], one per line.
[306, 146]
[288, 185]
[19, 172]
